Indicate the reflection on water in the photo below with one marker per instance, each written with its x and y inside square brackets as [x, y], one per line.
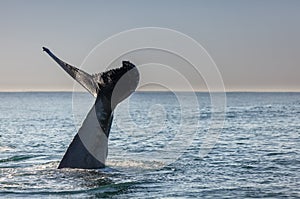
[45, 179]
[257, 154]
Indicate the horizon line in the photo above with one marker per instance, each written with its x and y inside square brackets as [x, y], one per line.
[197, 91]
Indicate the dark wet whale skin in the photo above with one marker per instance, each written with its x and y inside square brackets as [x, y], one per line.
[110, 88]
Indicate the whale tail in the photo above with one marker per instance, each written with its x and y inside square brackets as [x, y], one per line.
[103, 82]
[83, 78]
[88, 149]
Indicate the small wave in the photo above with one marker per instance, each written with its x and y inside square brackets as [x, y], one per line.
[5, 148]
[110, 189]
[16, 158]
[280, 153]
[134, 164]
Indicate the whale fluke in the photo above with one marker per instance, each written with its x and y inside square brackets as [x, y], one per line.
[88, 150]
[83, 78]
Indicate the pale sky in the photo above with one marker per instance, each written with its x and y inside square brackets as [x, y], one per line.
[255, 43]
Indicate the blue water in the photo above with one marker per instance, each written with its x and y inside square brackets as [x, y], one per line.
[256, 155]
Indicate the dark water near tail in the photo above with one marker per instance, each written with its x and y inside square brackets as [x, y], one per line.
[256, 155]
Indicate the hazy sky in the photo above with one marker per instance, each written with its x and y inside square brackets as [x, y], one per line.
[255, 44]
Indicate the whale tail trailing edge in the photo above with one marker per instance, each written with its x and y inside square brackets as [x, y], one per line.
[83, 78]
[89, 148]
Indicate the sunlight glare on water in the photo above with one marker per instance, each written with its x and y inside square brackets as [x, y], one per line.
[257, 154]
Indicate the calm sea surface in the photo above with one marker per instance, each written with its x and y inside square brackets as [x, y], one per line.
[257, 153]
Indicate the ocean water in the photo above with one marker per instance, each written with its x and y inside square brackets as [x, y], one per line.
[256, 154]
